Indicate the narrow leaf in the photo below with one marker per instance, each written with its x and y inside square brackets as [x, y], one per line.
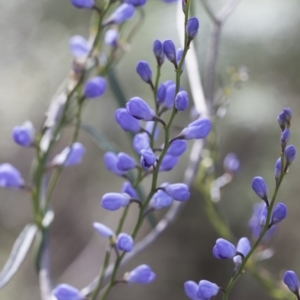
[101, 140]
[18, 254]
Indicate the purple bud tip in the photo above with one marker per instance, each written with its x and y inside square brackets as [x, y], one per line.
[259, 186]
[83, 3]
[10, 177]
[291, 280]
[70, 156]
[182, 101]
[207, 290]
[285, 136]
[178, 191]
[135, 2]
[24, 135]
[169, 50]
[144, 71]
[128, 189]
[95, 87]
[277, 168]
[141, 275]
[279, 213]
[290, 154]
[139, 109]
[198, 129]
[243, 247]
[231, 163]
[111, 38]
[191, 289]
[125, 242]
[158, 52]
[111, 163]
[161, 93]
[148, 158]
[65, 291]
[125, 162]
[126, 121]
[192, 27]
[79, 47]
[124, 12]
[103, 230]
[224, 249]
[160, 200]
[114, 201]
[177, 148]
[140, 142]
[168, 163]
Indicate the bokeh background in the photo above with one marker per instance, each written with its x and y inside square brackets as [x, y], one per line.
[34, 59]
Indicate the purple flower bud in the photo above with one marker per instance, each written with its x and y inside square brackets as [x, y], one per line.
[192, 28]
[260, 188]
[10, 177]
[121, 14]
[70, 156]
[198, 129]
[135, 2]
[177, 148]
[191, 288]
[125, 242]
[284, 118]
[150, 127]
[111, 38]
[83, 3]
[179, 54]
[263, 216]
[182, 101]
[291, 280]
[148, 158]
[170, 94]
[128, 189]
[168, 163]
[207, 290]
[111, 163]
[290, 154]
[95, 87]
[160, 200]
[288, 114]
[158, 52]
[139, 109]
[79, 47]
[161, 93]
[114, 201]
[224, 249]
[140, 141]
[170, 50]
[277, 169]
[244, 248]
[285, 136]
[126, 121]
[103, 230]
[125, 162]
[178, 191]
[141, 275]
[279, 213]
[231, 163]
[144, 71]
[24, 135]
[66, 292]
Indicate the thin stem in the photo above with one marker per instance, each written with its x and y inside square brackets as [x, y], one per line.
[265, 229]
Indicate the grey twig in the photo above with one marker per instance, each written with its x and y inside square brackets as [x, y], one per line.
[44, 272]
[194, 160]
[213, 48]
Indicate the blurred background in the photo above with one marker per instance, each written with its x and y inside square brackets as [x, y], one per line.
[262, 35]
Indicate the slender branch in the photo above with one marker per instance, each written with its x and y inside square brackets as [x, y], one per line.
[213, 48]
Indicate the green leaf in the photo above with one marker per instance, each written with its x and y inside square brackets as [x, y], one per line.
[100, 139]
[116, 88]
[18, 254]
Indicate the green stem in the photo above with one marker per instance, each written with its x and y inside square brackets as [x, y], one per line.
[264, 231]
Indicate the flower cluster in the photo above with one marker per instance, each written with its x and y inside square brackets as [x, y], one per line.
[266, 216]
